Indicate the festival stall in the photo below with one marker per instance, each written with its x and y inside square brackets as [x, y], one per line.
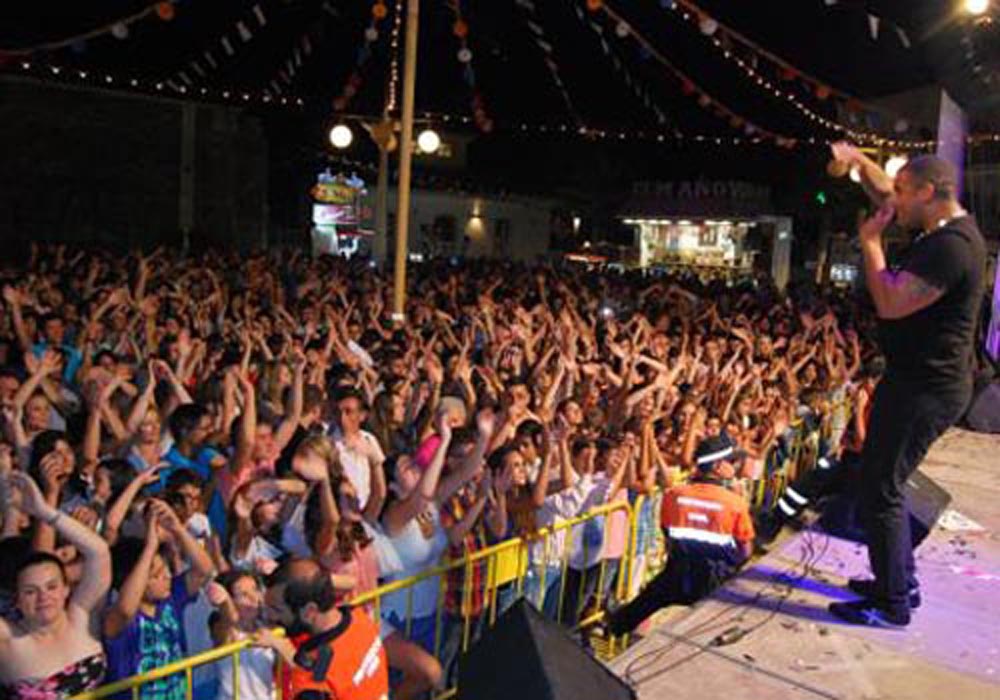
[338, 214]
[714, 229]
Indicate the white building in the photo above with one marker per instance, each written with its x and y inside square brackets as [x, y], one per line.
[453, 223]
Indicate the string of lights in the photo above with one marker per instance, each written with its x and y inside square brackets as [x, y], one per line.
[397, 24]
[713, 29]
[693, 13]
[688, 85]
[164, 88]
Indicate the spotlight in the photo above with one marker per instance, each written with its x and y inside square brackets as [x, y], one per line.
[977, 7]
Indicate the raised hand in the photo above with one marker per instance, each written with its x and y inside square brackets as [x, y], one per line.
[217, 594]
[22, 492]
[486, 422]
[54, 472]
[310, 467]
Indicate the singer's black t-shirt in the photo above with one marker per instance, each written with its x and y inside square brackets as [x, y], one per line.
[933, 348]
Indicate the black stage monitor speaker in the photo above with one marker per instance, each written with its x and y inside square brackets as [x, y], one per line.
[983, 415]
[925, 500]
[526, 656]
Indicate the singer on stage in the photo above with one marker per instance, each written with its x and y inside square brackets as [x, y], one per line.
[927, 307]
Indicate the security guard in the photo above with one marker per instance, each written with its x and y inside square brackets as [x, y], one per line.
[710, 534]
[342, 657]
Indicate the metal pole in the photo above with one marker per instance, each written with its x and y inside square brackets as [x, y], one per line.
[405, 159]
[382, 206]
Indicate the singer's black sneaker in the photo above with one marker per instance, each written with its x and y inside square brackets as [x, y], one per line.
[866, 612]
[766, 527]
[865, 587]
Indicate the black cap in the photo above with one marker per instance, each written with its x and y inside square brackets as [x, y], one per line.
[712, 450]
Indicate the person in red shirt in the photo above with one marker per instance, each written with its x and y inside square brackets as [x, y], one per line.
[338, 652]
[710, 534]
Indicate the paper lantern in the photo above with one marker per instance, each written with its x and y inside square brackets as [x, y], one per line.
[687, 87]
[460, 29]
[379, 10]
[707, 25]
[165, 11]
[621, 30]
[464, 55]
[594, 5]
[822, 92]
[704, 100]
[119, 30]
[371, 35]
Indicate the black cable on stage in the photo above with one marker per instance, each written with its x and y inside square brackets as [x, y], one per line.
[808, 560]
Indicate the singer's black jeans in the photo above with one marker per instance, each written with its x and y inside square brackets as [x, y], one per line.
[905, 421]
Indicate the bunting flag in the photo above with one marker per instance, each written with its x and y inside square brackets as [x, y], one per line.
[460, 28]
[118, 28]
[873, 26]
[736, 48]
[690, 88]
[637, 89]
[538, 34]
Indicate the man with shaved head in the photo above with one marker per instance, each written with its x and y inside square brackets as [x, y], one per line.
[927, 305]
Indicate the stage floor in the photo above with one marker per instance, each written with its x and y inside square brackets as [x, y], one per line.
[795, 649]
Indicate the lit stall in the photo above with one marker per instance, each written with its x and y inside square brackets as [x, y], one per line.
[713, 229]
[337, 215]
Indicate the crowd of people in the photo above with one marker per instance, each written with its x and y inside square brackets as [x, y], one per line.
[196, 450]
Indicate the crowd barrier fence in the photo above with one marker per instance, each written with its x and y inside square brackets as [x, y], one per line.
[521, 566]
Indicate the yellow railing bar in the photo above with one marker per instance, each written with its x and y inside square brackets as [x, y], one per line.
[181, 666]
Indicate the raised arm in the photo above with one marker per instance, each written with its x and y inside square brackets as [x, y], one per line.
[96, 580]
[124, 609]
[405, 509]
[15, 299]
[119, 509]
[202, 568]
[485, 422]
[291, 422]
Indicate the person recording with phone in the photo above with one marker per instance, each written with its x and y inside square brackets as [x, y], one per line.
[927, 305]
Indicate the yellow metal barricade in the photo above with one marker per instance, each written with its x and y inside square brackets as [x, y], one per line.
[506, 567]
[133, 684]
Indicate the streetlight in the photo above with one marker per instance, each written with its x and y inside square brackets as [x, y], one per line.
[428, 141]
[341, 136]
[977, 7]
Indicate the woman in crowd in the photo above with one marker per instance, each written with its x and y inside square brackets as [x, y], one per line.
[52, 652]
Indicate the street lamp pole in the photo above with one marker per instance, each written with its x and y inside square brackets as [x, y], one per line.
[405, 160]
